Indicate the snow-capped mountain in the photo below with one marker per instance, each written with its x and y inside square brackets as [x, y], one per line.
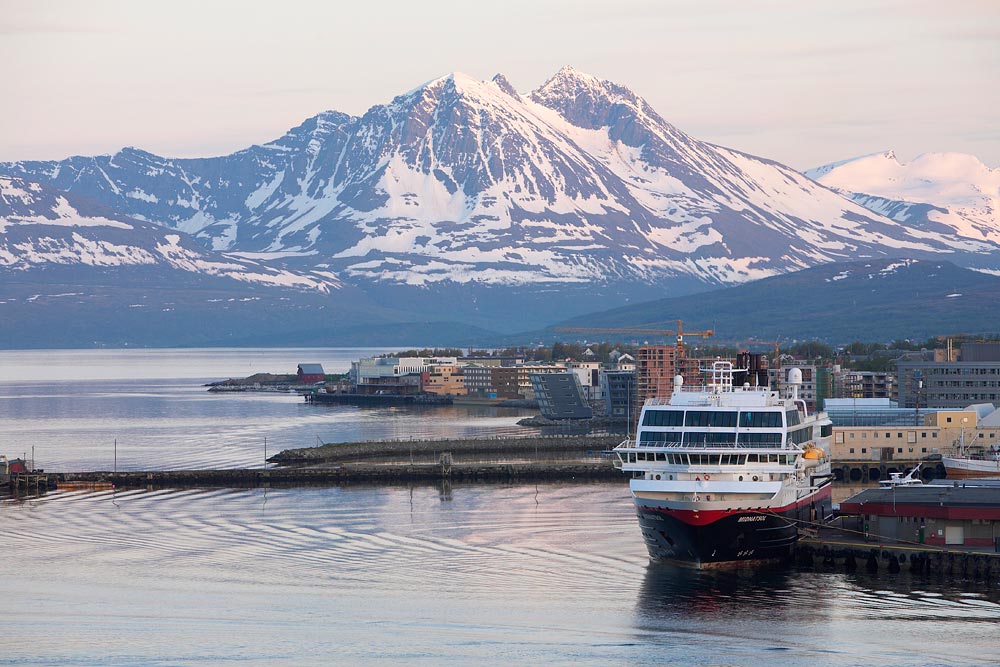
[467, 182]
[41, 227]
[952, 193]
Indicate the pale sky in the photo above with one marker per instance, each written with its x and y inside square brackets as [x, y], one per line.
[799, 81]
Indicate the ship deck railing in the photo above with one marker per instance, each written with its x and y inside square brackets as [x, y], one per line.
[710, 447]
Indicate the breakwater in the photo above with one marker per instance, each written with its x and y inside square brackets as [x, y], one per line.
[482, 449]
[356, 473]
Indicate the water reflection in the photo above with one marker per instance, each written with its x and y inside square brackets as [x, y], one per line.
[669, 592]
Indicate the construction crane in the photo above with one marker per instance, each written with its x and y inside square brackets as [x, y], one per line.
[679, 333]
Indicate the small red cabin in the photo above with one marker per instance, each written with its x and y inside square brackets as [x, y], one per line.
[310, 373]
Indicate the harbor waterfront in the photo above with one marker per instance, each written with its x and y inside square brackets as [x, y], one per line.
[431, 573]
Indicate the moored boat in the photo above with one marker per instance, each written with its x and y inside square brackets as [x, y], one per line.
[725, 474]
[973, 462]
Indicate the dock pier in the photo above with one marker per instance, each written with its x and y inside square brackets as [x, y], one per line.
[832, 548]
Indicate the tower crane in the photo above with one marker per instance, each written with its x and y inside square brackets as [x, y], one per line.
[679, 333]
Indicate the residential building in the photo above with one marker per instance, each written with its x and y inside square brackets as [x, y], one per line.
[479, 380]
[618, 388]
[560, 395]
[656, 367]
[864, 384]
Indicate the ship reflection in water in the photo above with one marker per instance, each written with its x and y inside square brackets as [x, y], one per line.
[820, 617]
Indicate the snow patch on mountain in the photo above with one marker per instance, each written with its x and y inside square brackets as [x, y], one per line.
[953, 191]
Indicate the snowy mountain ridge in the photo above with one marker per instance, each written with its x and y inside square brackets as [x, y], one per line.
[951, 192]
[465, 182]
[40, 227]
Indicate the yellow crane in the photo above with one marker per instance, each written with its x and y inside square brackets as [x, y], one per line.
[679, 333]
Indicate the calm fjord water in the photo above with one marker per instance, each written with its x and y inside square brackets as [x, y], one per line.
[554, 574]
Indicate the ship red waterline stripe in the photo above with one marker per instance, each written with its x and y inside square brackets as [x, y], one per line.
[929, 511]
[705, 517]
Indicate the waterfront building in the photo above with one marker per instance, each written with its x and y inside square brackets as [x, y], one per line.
[588, 373]
[939, 432]
[951, 384]
[445, 380]
[310, 374]
[944, 514]
[523, 373]
[364, 371]
[618, 388]
[504, 381]
[560, 396]
[478, 380]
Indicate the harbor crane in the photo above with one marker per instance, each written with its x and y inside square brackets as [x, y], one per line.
[679, 333]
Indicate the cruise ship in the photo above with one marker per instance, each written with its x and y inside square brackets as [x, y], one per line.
[727, 473]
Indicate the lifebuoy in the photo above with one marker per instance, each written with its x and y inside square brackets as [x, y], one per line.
[708, 477]
[697, 498]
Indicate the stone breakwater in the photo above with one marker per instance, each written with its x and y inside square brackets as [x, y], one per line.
[355, 473]
[496, 460]
[461, 450]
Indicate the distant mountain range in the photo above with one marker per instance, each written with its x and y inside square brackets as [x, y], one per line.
[462, 203]
[949, 193]
[872, 300]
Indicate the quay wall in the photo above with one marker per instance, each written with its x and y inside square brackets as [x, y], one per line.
[921, 559]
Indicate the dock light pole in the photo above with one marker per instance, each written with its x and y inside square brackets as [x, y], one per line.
[116, 456]
[265, 451]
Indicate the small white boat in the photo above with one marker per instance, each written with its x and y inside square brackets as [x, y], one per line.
[899, 479]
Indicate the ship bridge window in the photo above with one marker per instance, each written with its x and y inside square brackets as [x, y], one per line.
[710, 418]
[801, 435]
[705, 439]
[760, 419]
[793, 418]
[653, 439]
[663, 418]
[760, 439]
[826, 430]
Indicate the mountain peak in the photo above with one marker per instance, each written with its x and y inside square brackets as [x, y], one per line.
[501, 82]
[587, 101]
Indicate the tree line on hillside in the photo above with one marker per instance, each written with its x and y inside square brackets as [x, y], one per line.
[859, 355]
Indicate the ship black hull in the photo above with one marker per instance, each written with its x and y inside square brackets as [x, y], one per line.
[721, 539]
